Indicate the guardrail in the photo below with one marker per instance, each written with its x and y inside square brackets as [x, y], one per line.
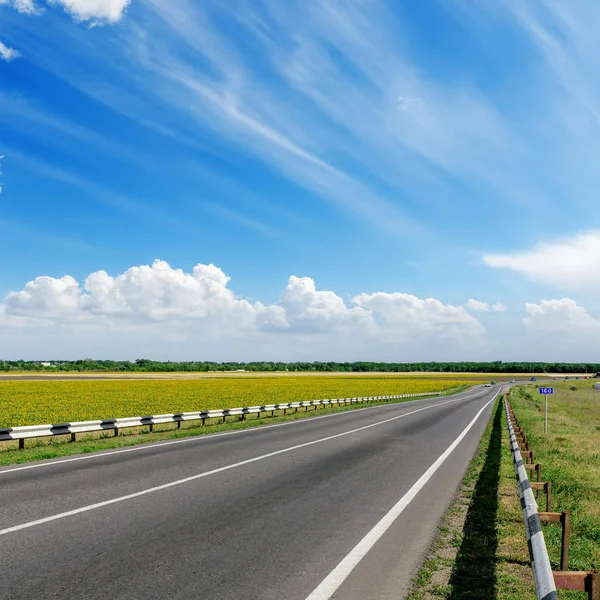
[114, 425]
[546, 580]
[545, 587]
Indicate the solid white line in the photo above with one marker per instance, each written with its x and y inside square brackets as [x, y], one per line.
[334, 580]
[165, 486]
[208, 436]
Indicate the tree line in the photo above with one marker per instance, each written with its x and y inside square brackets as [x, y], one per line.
[146, 365]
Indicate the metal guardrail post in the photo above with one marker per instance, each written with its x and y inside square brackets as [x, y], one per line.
[564, 518]
[545, 587]
[581, 581]
[115, 425]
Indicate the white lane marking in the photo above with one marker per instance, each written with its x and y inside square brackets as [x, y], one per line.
[165, 486]
[208, 436]
[334, 580]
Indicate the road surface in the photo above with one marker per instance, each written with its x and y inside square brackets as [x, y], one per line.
[342, 506]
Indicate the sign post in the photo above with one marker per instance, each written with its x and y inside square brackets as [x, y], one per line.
[546, 391]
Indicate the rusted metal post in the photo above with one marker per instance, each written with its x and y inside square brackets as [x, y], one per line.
[580, 581]
[546, 486]
[593, 586]
[528, 455]
[565, 521]
[564, 518]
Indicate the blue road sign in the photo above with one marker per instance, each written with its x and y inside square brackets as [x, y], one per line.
[546, 390]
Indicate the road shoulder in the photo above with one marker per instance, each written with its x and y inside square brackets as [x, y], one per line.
[480, 551]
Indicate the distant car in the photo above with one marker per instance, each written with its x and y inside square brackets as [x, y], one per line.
[534, 379]
[512, 381]
[567, 377]
[493, 383]
[488, 385]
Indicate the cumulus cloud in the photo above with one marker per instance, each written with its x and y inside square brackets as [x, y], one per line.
[154, 292]
[7, 53]
[569, 263]
[484, 307]
[477, 305]
[94, 10]
[559, 316]
[409, 315]
[158, 303]
[97, 11]
[310, 309]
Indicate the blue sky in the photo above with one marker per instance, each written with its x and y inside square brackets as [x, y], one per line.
[381, 153]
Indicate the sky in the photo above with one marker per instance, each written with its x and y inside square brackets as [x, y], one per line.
[322, 180]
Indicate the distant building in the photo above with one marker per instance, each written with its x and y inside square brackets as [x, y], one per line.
[47, 364]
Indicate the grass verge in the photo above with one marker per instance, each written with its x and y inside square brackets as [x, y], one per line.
[481, 550]
[46, 448]
[570, 458]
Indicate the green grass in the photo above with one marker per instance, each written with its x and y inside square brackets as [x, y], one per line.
[570, 455]
[45, 448]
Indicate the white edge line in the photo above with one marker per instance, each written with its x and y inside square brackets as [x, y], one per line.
[165, 486]
[334, 580]
[208, 436]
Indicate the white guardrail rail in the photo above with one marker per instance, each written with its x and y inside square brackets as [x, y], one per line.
[35, 431]
[545, 587]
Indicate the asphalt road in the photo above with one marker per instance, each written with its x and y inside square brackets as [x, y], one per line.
[340, 506]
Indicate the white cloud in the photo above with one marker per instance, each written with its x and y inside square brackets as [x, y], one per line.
[563, 316]
[484, 307]
[145, 293]
[569, 264]
[411, 316]
[45, 296]
[26, 7]
[477, 305]
[157, 303]
[305, 115]
[95, 10]
[7, 53]
[109, 11]
[310, 309]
